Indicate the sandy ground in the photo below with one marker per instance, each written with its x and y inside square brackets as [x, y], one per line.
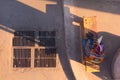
[65, 18]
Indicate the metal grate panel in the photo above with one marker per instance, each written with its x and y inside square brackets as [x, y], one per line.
[47, 33]
[24, 33]
[47, 42]
[24, 38]
[42, 57]
[45, 57]
[45, 62]
[22, 58]
[22, 41]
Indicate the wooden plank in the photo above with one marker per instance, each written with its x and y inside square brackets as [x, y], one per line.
[90, 25]
[91, 67]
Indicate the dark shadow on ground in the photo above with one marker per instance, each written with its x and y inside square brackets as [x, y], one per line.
[111, 46]
[15, 16]
[72, 33]
[109, 6]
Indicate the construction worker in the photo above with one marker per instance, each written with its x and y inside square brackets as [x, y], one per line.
[93, 49]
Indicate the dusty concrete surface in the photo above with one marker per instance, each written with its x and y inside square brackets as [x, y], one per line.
[64, 18]
[37, 15]
[108, 15]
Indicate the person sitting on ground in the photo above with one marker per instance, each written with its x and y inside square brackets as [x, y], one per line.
[94, 49]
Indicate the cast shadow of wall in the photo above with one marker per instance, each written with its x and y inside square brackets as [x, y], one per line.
[108, 6]
[16, 16]
[72, 33]
[111, 46]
